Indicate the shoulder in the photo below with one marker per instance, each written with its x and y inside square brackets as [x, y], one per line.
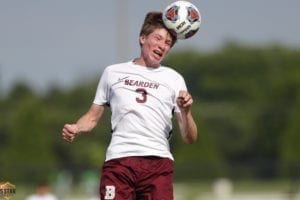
[117, 67]
[113, 70]
[171, 72]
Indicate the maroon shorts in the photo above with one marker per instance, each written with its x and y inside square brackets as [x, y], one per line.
[137, 178]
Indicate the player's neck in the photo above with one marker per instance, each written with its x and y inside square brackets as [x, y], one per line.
[139, 61]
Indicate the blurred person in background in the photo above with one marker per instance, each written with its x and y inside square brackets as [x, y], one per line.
[43, 192]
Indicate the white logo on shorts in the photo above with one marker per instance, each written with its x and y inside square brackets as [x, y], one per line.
[110, 192]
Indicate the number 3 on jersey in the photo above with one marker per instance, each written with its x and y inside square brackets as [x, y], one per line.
[143, 97]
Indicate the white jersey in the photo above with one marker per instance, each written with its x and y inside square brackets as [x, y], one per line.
[142, 102]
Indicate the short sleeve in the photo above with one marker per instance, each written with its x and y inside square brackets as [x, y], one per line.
[102, 92]
[181, 85]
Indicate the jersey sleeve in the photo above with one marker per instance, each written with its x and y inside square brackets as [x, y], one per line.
[102, 92]
[181, 85]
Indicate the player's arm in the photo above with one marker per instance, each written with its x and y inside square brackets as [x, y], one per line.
[85, 124]
[187, 125]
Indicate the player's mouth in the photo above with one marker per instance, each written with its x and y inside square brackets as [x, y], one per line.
[158, 53]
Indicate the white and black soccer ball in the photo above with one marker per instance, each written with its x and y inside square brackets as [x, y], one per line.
[182, 18]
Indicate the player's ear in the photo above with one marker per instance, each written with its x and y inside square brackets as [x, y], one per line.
[142, 39]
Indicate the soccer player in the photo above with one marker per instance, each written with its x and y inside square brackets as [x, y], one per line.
[143, 96]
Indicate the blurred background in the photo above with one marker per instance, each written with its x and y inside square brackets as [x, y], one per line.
[242, 68]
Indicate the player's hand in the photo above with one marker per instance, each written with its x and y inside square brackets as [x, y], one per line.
[184, 100]
[69, 132]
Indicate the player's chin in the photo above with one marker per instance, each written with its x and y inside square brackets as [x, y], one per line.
[156, 60]
[155, 63]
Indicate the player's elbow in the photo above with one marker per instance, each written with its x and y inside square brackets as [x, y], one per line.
[190, 139]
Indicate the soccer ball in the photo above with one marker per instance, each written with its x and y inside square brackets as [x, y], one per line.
[182, 18]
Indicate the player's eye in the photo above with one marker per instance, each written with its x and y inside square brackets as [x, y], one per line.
[157, 37]
[169, 43]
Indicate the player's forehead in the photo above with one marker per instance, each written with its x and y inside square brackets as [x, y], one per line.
[162, 32]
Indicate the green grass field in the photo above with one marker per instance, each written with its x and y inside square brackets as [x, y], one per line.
[240, 190]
